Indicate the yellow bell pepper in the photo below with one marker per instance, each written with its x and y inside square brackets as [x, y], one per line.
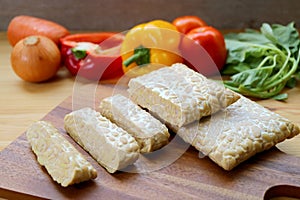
[150, 46]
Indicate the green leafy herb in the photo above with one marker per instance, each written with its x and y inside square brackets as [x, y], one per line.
[261, 63]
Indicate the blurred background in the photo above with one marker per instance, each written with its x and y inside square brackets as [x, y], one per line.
[120, 15]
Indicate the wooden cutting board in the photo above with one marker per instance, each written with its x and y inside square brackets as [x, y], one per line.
[268, 174]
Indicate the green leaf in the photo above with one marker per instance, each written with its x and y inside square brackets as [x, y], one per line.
[250, 36]
[261, 63]
[253, 78]
[280, 97]
[242, 67]
[291, 83]
[287, 36]
[239, 51]
[229, 70]
[267, 31]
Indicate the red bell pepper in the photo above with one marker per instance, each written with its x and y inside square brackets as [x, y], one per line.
[95, 56]
[197, 33]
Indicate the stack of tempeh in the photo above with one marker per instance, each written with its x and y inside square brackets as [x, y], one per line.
[117, 135]
[239, 128]
[219, 123]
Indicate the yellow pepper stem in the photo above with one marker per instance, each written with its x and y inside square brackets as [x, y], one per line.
[140, 56]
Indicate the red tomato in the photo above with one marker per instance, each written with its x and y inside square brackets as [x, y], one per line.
[202, 46]
[212, 41]
[185, 24]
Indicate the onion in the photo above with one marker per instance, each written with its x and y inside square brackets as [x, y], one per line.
[35, 58]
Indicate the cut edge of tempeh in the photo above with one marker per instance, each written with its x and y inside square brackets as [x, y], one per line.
[249, 129]
[64, 163]
[149, 132]
[111, 146]
[178, 95]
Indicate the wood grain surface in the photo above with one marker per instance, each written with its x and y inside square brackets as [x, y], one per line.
[21, 177]
[268, 174]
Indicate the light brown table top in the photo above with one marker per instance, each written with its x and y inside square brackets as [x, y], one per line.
[23, 103]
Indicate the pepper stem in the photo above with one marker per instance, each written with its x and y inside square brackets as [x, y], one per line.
[78, 53]
[141, 56]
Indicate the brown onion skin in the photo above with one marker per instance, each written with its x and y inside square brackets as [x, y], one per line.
[35, 61]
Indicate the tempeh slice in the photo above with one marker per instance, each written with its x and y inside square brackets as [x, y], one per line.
[149, 132]
[178, 95]
[63, 162]
[110, 145]
[232, 136]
